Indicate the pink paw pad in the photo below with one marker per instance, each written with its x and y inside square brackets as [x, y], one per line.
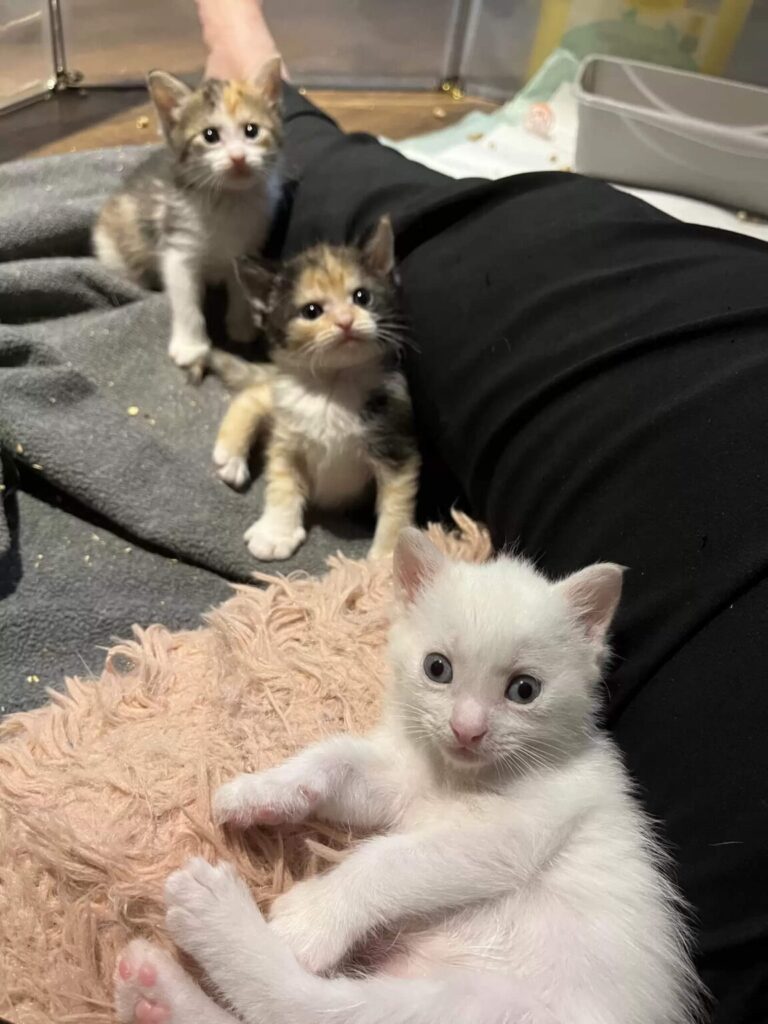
[147, 975]
[125, 970]
[149, 1013]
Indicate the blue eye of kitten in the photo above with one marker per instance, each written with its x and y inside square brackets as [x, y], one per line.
[211, 135]
[438, 668]
[523, 689]
[311, 311]
[361, 297]
[251, 131]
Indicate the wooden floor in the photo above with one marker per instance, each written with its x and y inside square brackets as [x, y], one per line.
[91, 119]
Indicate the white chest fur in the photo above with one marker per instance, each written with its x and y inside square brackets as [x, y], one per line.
[220, 230]
[329, 431]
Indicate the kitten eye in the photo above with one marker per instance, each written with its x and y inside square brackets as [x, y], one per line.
[211, 135]
[361, 297]
[523, 689]
[438, 668]
[251, 131]
[311, 311]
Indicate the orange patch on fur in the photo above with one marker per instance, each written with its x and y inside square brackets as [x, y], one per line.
[233, 95]
[330, 277]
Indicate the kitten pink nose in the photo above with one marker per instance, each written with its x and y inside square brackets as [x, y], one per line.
[238, 161]
[344, 321]
[468, 736]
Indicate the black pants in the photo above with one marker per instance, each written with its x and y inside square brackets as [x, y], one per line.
[591, 376]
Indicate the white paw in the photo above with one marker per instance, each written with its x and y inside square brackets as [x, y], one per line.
[207, 907]
[151, 988]
[240, 325]
[233, 469]
[305, 919]
[270, 543]
[186, 350]
[274, 797]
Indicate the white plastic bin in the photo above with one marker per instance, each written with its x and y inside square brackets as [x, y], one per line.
[654, 127]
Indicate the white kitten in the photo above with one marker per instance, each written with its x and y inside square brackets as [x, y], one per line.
[518, 881]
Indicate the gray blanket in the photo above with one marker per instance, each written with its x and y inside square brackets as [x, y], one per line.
[111, 512]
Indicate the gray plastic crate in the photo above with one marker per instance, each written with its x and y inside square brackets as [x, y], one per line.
[655, 127]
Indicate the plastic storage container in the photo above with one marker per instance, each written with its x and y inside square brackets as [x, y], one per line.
[655, 127]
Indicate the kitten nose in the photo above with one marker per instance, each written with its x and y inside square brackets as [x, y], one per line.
[344, 321]
[468, 736]
[238, 161]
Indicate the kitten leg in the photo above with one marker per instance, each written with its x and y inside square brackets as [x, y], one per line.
[280, 530]
[240, 320]
[105, 241]
[395, 503]
[247, 412]
[183, 282]
[151, 988]
[422, 874]
[212, 916]
[363, 783]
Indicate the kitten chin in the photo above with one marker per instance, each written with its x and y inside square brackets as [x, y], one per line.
[330, 358]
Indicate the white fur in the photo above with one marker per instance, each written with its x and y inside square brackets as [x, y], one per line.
[515, 883]
[277, 534]
[233, 469]
[322, 412]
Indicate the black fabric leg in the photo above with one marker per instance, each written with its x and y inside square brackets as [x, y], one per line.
[594, 374]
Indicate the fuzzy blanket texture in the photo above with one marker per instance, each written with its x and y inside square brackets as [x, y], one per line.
[107, 789]
[111, 512]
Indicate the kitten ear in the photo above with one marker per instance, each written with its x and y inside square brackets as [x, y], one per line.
[593, 594]
[379, 249]
[269, 81]
[416, 562]
[167, 93]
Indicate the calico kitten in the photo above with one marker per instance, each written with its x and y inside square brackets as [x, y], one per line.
[337, 405]
[517, 880]
[190, 210]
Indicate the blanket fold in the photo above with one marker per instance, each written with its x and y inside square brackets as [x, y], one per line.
[111, 511]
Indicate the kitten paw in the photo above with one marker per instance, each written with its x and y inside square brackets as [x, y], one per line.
[206, 906]
[233, 469]
[196, 371]
[268, 798]
[270, 544]
[151, 988]
[188, 351]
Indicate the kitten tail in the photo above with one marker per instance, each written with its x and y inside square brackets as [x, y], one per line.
[237, 374]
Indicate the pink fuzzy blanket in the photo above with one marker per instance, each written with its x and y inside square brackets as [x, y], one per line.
[106, 790]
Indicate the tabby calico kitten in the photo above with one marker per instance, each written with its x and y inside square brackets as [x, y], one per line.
[337, 405]
[188, 211]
